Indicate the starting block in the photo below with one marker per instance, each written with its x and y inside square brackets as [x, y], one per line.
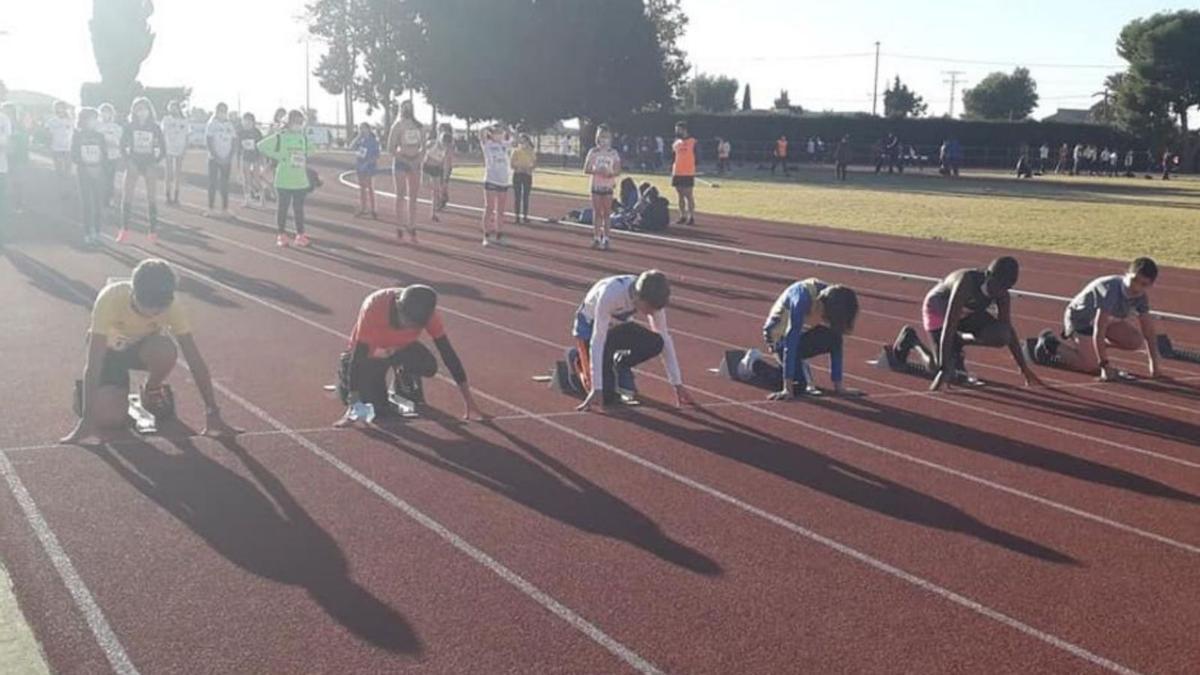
[887, 361]
[1169, 351]
[762, 373]
[1029, 350]
[565, 379]
[139, 418]
[401, 406]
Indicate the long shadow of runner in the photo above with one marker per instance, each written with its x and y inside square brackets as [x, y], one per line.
[803, 466]
[537, 481]
[1091, 411]
[49, 280]
[187, 285]
[261, 529]
[1004, 447]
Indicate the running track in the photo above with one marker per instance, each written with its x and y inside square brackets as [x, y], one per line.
[995, 530]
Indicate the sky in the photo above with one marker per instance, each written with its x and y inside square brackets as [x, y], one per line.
[253, 51]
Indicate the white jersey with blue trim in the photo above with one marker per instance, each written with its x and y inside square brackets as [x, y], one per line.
[609, 300]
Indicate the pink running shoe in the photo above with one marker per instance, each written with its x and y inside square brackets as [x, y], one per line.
[301, 241]
[281, 241]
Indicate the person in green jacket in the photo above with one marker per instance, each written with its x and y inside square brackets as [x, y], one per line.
[289, 149]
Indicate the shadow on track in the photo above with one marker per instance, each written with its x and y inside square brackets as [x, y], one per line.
[256, 524]
[529, 477]
[793, 462]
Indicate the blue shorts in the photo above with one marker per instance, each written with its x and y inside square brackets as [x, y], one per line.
[582, 327]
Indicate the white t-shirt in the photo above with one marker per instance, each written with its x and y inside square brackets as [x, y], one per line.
[112, 132]
[61, 131]
[175, 135]
[5, 138]
[604, 161]
[496, 161]
[611, 300]
[220, 133]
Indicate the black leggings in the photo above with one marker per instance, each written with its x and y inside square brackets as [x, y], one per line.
[628, 345]
[294, 198]
[218, 180]
[370, 375]
[522, 185]
[95, 186]
[973, 323]
[815, 341]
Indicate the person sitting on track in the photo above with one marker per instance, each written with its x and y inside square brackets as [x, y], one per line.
[603, 327]
[132, 324]
[833, 310]
[956, 314]
[1095, 321]
[386, 335]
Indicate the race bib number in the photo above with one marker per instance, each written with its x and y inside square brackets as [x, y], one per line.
[114, 153]
[604, 164]
[143, 142]
[362, 153]
[412, 136]
[90, 154]
[298, 160]
[248, 144]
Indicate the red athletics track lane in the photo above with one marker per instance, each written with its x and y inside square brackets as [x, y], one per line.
[1102, 467]
[190, 486]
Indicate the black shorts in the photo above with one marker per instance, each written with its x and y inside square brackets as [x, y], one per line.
[402, 165]
[1071, 329]
[602, 192]
[972, 323]
[433, 171]
[114, 372]
[492, 187]
[683, 181]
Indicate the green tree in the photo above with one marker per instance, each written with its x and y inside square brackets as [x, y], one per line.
[746, 98]
[1002, 97]
[782, 102]
[1163, 52]
[385, 34]
[607, 61]
[900, 101]
[335, 23]
[714, 93]
[121, 42]
[670, 25]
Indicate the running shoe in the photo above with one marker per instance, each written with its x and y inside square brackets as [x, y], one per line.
[595, 243]
[122, 236]
[399, 234]
[691, 221]
[301, 241]
[604, 244]
[281, 241]
[412, 234]
[681, 220]
[159, 401]
[487, 239]
[152, 238]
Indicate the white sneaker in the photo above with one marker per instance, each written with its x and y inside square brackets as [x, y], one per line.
[745, 367]
[604, 244]
[487, 240]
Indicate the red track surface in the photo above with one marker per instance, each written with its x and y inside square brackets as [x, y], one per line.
[998, 530]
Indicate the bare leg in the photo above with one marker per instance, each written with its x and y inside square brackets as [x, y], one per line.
[158, 354]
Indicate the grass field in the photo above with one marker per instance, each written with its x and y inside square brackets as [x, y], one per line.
[1099, 217]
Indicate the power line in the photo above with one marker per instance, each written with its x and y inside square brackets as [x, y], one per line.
[942, 59]
[954, 81]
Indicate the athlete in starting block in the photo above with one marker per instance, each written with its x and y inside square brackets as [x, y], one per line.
[1096, 321]
[956, 314]
[830, 312]
[386, 336]
[610, 345]
[133, 321]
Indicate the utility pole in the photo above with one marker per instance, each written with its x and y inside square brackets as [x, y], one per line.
[307, 79]
[954, 81]
[875, 90]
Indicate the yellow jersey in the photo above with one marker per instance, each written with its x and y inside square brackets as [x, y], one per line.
[113, 317]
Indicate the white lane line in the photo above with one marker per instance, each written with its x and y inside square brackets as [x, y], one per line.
[903, 276]
[85, 602]
[844, 549]
[721, 343]
[539, 596]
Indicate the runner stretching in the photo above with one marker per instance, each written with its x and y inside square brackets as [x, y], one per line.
[683, 173]
[1095, 321]
[497, 178]
[133, 322]
[386, 335]
[610, 345]
[956, 314]
[175, 133]
[829, 312]
[405, 144]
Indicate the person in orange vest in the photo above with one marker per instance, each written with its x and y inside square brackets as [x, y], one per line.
[780, 156]
[683, 173]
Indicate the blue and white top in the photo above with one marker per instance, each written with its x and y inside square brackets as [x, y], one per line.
[784, 328]
[610, 300]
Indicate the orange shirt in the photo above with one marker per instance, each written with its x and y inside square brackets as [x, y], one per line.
[685, 157]
[374, 327]
[781, 148]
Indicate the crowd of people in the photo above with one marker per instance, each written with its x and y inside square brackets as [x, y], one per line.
[1092, 160]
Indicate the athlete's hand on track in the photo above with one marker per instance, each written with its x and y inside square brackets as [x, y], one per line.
[941, 379]
[83, 429]
[1108, 375]
[587, 402]
[783, 395]
[214, 425]
[346, 419]
[683, 397]
[472, 412]
[1032, 380]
